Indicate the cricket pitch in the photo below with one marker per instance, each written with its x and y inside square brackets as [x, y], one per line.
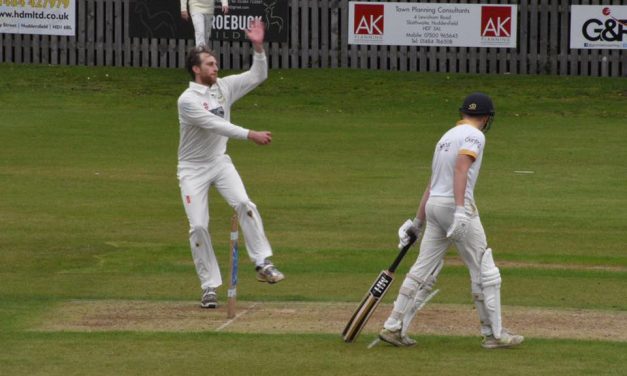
[320, 317]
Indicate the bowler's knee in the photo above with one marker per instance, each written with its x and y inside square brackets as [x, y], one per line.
[198, 230]
[246, 208]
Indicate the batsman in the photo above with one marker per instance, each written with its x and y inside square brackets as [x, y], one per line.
[448, 212]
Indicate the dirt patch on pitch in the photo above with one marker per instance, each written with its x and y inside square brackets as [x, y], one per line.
[298, 317]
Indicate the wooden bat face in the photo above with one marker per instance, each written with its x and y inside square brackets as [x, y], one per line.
[372, 299]
[367, 306]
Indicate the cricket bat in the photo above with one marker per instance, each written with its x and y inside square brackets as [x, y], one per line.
[373, 297]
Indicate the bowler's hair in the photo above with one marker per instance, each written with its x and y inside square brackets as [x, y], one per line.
[193, 58]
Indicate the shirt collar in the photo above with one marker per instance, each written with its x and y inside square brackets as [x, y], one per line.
[201, 89]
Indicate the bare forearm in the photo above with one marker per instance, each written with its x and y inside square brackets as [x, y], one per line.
[460, 178]
[459, 187]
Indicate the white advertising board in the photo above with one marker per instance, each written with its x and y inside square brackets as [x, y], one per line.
[598, 26]
[44, 17]
[432, 24]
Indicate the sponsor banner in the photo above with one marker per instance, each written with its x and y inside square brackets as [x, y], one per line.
[162, 19]
[242, 12]
[598, 26]
[432, 24]
[42, 17]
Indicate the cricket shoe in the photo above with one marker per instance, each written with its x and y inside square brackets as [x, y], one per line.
[396, 338]
[507, 340]
[209, 298]
[269, 273]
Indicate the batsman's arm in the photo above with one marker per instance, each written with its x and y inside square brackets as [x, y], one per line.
[457, 230]
[413, 227]
[460, 177]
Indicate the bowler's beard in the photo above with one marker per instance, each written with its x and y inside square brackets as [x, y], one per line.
[207, 80]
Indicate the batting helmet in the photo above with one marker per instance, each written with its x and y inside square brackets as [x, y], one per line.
[477, 104]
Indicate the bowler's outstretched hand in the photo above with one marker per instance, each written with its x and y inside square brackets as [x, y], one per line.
[256, 33]
[260, 138]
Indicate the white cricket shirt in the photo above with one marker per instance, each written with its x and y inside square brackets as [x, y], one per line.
[200, 6]
[462, 139]
[205, 114]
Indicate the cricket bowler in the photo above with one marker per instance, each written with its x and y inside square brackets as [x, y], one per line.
[204, 116]
[448, 209]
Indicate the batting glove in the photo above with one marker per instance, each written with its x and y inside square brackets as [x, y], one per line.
[458, 229]
[409, 228]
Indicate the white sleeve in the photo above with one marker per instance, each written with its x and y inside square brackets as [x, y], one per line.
[240, 84]
[225, 3]
[192, 113]
[183, 5]
[473, 145]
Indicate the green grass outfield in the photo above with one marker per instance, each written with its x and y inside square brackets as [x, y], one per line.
[90, 210]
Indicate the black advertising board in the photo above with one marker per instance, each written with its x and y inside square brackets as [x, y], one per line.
[272, 12]
[162, 19]
[158, 19]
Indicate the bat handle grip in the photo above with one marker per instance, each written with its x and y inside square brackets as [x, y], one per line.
[401, 254]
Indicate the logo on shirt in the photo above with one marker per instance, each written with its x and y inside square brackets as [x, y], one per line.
[218, 111]
[446, 145]
[473, 141]
[218, 96]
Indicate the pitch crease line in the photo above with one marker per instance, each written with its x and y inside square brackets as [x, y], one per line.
[236, 317]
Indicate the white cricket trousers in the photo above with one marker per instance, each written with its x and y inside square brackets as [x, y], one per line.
[202, 27]
[195, 182]
[440, 212]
